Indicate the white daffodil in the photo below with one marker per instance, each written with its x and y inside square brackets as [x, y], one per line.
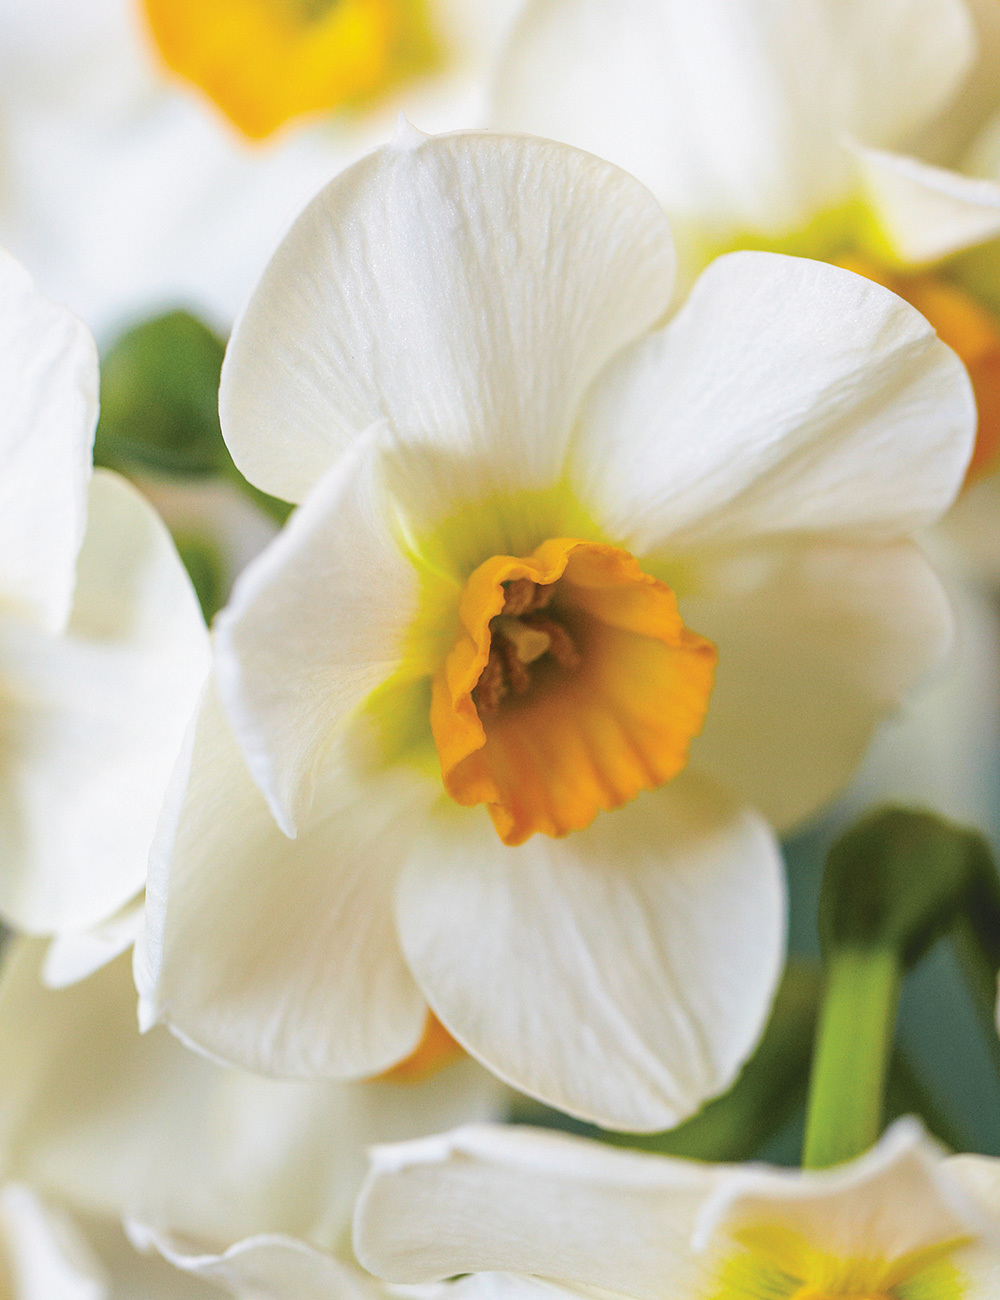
[902, 1223]
[102, 646]
[829, 128]
[133, 172]
[237, 1180]
[533, 516]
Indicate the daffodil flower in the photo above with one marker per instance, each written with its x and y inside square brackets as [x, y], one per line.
[134, 172]
[233, 1178]
[103, 650]
[800, 125]
[576, 597]
[512, 1207]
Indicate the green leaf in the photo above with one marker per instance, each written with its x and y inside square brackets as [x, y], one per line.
[899, 879]
[159, 399]
[160, 406]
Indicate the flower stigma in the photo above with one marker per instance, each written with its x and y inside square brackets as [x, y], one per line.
[265, 62]
[573, 685]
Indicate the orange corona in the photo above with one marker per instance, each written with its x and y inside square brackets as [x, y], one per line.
[573, 685]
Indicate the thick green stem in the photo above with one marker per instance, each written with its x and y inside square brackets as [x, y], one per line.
[853, 1049]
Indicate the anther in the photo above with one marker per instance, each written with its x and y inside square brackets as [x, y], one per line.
[492, 685]
[522, 596]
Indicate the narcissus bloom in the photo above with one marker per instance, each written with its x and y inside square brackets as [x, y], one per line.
[575, 598]
[240, 1181]
[103, 650]
[829, 128]
[901, 1223]
[135, 176]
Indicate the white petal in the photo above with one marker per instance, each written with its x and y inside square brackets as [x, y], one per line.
[622, 974]
[951, 133]
[48, 395]
[528, 1201]
[136, 1276]
[279, 955]
[939, 750]
[46, 1255]
[816, 645]
[786, 396]
[466, 288]
[896, 1198]
[731, 113]
[979, 1264]
[926, 213]
[268, 1267]
[314, 625]
[92, 722]
[75, 955]
[117, 1123]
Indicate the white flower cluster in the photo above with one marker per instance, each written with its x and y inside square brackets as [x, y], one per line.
[615, 476]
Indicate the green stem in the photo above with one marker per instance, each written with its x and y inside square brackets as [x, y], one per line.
[853, 1049]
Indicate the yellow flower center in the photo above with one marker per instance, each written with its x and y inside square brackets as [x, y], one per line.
[264, 62]
[777, 1264]
[970, 329]
[573, 685]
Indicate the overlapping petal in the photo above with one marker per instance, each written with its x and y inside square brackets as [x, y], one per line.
[787, 396]
[556, 1207]
[816, 645]
[279, 954]
[426, 286]
[48, 394]
[113, 1123]
[92, 722]
[926, 213]
[622, 974]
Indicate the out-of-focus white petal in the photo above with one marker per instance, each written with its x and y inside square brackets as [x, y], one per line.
[732, 113]
[116, 1123]
[466, 288]
[268, 1267]
[279, 955]
[816, 645]
[92, 722]
[75, 955]
[950, 134]
[926, 213]
[48, 400]
[622, 974]
[315, 624]
[532, 1202]
[786, 396]
[979, 1179]
[46, 1255]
